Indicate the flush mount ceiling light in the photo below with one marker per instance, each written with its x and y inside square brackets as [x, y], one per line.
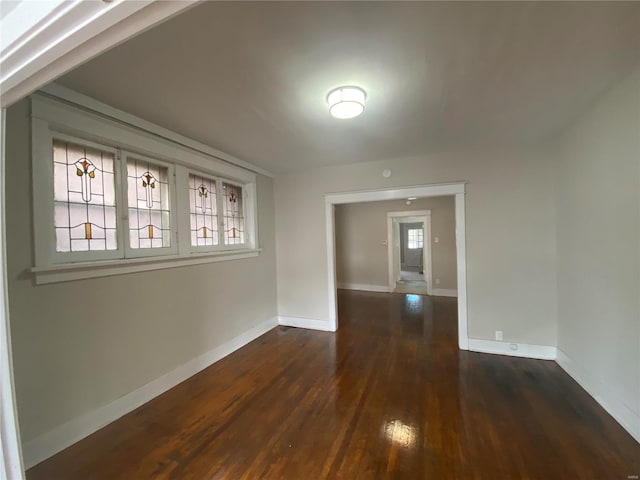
[346, 102]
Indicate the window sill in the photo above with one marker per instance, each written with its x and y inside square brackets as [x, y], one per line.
[81, 270]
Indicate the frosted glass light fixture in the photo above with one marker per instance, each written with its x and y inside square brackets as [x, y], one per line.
[346, 102]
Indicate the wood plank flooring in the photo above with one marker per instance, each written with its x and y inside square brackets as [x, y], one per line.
[389, 396]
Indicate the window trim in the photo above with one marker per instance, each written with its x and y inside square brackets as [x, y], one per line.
[129, 251]
[417, 238]
[104, 268]
[195, 249]
[66, 257]
[49, 116]
[247, 241]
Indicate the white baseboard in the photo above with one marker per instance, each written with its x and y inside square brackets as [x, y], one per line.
[627, 418]
[50, 443]
[300, 322]
[444, 292]
[541, 352]
[364, 287]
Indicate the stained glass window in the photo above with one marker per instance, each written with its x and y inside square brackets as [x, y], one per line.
[84, 198]
[203, 210]
[149, 210]
[233, 213]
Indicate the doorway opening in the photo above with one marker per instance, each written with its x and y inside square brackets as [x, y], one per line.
[455, 189]
[409, 252]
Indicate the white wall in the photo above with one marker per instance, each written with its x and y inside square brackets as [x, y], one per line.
[80, 345]
[510, 235]
[361, 257]
[598, 239]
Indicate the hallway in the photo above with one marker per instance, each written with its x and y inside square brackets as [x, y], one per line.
[387, 396]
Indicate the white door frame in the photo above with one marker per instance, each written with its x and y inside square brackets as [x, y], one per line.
[456, 189]
[40, 41]
[11, 461]
[393, 222]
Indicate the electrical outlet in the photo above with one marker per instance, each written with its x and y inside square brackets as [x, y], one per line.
[436, 240]
[499, 335]
[437, 281]
[513, 346]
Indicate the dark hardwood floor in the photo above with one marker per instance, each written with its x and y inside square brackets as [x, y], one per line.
[388, 396]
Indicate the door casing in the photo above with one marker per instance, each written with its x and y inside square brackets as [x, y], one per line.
[394, 219]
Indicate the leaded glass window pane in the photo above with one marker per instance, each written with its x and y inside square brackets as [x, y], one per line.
[84, 198]
[203, 210]
[233, 213]
[148, 199]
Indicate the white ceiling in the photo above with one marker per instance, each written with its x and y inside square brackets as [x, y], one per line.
[251, 78]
